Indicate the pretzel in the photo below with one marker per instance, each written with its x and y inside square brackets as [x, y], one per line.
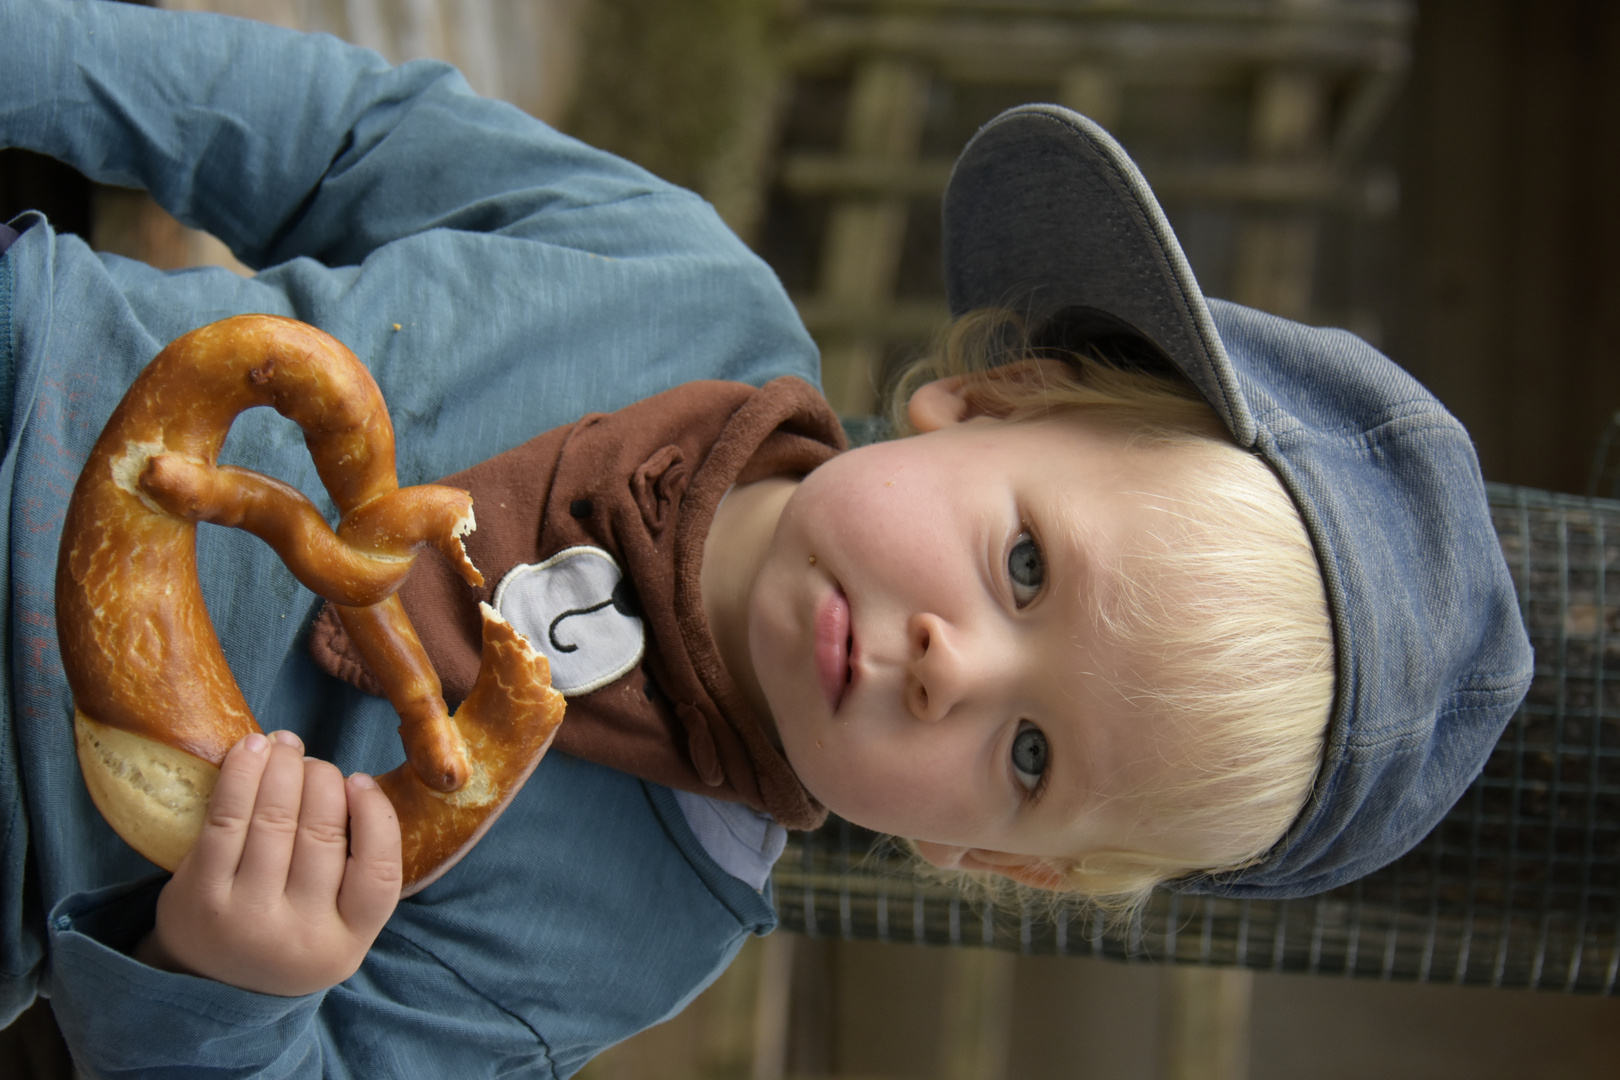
[155, 705]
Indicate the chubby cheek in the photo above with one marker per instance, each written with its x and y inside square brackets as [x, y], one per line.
[873, 502]
[895, 787]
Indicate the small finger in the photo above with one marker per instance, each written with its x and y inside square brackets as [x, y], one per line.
[274, 828]
[322, 845]
[372, 876]
[218, 852]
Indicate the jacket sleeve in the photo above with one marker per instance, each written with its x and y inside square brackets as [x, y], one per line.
[588, 913]
[285, 144]
[121, 1018]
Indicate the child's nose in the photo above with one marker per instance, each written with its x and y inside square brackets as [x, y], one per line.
[938, 675]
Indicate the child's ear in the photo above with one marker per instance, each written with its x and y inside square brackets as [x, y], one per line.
[956, 398]
[938, 404]
[1042, 873]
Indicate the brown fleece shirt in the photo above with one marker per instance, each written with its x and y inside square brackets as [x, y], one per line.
[640, 485]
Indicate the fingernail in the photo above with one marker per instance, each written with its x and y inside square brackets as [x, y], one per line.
[287, 738]
[361, 780]
[256, 742]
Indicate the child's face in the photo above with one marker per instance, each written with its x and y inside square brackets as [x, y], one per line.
[922, 630]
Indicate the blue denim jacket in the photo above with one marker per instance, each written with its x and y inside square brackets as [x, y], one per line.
[499, 279]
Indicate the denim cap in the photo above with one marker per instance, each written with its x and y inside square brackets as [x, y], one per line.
[1046, 215]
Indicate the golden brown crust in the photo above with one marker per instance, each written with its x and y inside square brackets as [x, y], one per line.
[156, 705]
[506, 724]
[367, 563]
[385, 637]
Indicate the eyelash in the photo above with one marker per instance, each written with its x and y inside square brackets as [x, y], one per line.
[1039, 789]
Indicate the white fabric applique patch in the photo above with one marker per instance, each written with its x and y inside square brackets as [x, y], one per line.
[578, 610]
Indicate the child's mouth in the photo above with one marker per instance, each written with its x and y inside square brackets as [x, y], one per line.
[833, 639]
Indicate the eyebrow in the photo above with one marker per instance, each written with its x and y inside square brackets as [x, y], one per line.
[1066, 543]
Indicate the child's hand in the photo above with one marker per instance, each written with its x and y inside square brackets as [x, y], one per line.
[293, 877]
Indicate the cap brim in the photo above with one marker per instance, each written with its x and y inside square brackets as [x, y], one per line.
[1045, 212]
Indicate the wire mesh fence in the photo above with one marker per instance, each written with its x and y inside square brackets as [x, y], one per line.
[1519, 886]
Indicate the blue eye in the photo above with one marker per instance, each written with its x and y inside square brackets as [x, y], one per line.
[1029, 755]
[1026, 570]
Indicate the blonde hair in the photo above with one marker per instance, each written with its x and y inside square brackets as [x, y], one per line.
[1221, 600]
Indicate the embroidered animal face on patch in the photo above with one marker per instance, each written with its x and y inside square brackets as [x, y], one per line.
[579, 610]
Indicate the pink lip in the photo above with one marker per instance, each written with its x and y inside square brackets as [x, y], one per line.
[832, 647]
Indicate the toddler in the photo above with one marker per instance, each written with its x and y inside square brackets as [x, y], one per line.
[1180, 592]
